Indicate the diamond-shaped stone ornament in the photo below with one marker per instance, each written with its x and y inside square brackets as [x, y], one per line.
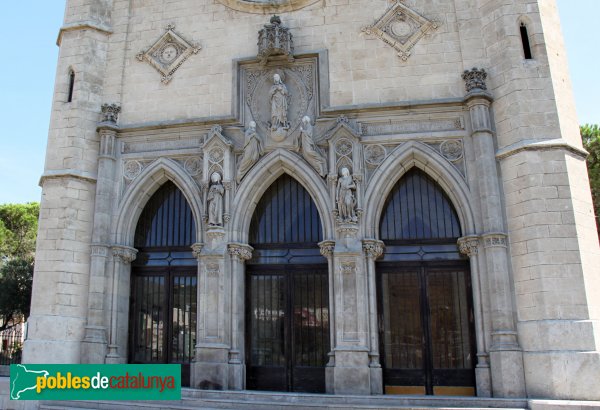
[168, 53]
[401, 28]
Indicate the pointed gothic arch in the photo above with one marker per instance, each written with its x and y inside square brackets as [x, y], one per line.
[401, 160]
[141, 190]
[261, 177]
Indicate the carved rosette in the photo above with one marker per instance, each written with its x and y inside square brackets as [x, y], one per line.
[240, 251]
[197, 249]
[275, 40]
[126, 254]
[475, 79]
[110, 113]
[469, 245]
[495, 240]
[168, 53]
[327, 248]
[132, 169]
[373, 248]
[452, 150]
[401, 28]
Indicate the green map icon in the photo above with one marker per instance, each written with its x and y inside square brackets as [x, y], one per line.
[23, 379]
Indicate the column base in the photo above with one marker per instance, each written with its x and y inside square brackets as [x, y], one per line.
[237, 376]
[94, 346]
[376, 375]
[351, 374]
[508, 378]
[210, 369]
[113, 356]
[483, 381]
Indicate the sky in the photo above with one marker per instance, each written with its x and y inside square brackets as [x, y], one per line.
[27, 88]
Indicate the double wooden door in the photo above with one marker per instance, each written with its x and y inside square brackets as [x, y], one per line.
[426, 328]
[163, 317]
[287, 327]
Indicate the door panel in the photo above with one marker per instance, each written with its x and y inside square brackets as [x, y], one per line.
[426, 328]
[287, 328]
[163, 314]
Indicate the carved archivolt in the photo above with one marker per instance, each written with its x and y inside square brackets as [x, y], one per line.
[266, 6]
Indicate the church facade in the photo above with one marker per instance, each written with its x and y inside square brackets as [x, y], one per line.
[348, 197]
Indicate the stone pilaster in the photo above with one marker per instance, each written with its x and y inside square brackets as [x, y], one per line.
[210, 368]
[122, 258]
[373, 250]
[469, 246]
[94, 345]
[351, 373]
[239, 254]
[506, 356]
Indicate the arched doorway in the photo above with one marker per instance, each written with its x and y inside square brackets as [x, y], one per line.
[287, 303]
[164, 283]
[424, 293]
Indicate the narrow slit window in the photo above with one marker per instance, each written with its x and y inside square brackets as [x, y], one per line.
[71, 85]
[525, 40]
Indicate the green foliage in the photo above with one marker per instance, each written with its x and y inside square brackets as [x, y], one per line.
[18, 230]
[16, 278]
[590, 135]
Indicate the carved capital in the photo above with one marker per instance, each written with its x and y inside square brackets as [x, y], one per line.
[475, 79]
[197, 249]
[240, 251]
[110, 113]
[495, 240]
[373, 248]
[469, 245]
[327, 248]
[126, 254]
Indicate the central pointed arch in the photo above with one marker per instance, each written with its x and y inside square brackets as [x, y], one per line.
[262, 176]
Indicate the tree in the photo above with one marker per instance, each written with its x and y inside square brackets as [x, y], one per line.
[590, 134]
[16, 277]
[18, 231]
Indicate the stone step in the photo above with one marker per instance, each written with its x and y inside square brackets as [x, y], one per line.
[252, 400]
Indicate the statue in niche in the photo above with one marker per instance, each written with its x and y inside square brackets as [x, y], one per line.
[279, 109]
[311, 153]
[346, 200]
[252, 150]
[215, 200]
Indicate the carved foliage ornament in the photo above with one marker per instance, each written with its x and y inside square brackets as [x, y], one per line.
[168, 53]
[475, 79]
[401, 28]
[110, 113]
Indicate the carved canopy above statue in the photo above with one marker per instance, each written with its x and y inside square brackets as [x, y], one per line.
[267, 6]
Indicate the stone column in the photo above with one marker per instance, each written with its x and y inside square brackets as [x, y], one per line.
[373, 250]
[122, 258]
[351, 374]
[239, 253]
[94, 345]
[469, 245]
[327, 248]
[506, 356]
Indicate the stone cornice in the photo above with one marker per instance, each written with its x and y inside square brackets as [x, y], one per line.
[540, 145]
[68, 173]
[82, 25]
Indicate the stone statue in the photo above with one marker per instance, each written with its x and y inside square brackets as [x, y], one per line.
[346, 200]
[279, 104]
[252, 150]
[215, 200]
[311, 153]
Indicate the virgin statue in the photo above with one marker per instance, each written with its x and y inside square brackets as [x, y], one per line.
[279, 104]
